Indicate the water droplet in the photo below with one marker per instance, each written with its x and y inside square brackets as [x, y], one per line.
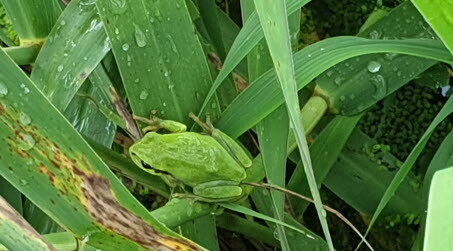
[60, 68]
[390, 56]
[164, 104]
[120, 6]
[117, 31]
[329, 73]
[374, 66]
[166, 73]
[24, 119]
[342, 98]
[26, 90]
[140, 37]
[172, 44]
[375, 34]
[143, 95]
[322, 49]
[323, 212]
[63, 22]
[125, 47]
[137, 80]
[85, 58]
[3, 90]
[446, 91]
[26, 141]
[381, 87]
[23, 182]
[338, 80]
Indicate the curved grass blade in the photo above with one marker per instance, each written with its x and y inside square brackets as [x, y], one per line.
[439, 220]
[31, 23]
[160, 58]
[74, 48]
[40, 149]
[356, 84]
[263, 95]
[274, 23]
[16, 233]
[438, 13]
[410, 161]
[249, 36]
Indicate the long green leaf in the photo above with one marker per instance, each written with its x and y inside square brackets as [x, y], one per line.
[74, 48]
[161, 60]
[16, 233]
[272, 136]
[249, 36]
[263, 95]
[410, 161]
[361, 182]
[274, 23]
[358, 83]
[49, 162]
[438, 13]
[324, 151]
[32, 19]
[439, 220]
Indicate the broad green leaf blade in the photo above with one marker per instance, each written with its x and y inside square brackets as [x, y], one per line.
[48, 161]
[441, 160]
[272, 136]
[203, 231]
[438, 13]
[263, 95]
[16, 233]
[324, 151]
[23, 55]
[357, 84]
[274, 23]
[249, 36]
[74, 48]
[31, 22]
[361, 182]
[410, 161]
[160, 58]
[85, 116]
[439, 220]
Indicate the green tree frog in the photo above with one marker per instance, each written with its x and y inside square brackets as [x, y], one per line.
[212, 164]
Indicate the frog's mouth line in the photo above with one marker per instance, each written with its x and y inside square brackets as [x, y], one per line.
[157, 171]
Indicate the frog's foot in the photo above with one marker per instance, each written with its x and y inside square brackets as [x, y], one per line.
[196, 198]
[156, 124]
[207, 127]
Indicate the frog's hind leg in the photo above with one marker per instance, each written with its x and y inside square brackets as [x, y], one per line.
[155, 124]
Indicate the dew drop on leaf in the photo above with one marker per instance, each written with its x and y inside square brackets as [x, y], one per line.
[3, 90]
[143, 95]
[60, 68]
[125, 47]
[140, 37]
[26, 141]
[24, 119]
[374, 66]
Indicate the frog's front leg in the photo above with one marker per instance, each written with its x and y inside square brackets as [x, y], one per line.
[156, 124]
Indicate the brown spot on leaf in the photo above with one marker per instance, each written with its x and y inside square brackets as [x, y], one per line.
[103, 207]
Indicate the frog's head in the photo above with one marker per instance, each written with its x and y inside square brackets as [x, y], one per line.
[142, 155]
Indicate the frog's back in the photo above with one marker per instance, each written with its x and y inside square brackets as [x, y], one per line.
[194, 158]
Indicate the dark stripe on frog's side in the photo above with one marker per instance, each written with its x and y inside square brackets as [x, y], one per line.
[147, 166]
